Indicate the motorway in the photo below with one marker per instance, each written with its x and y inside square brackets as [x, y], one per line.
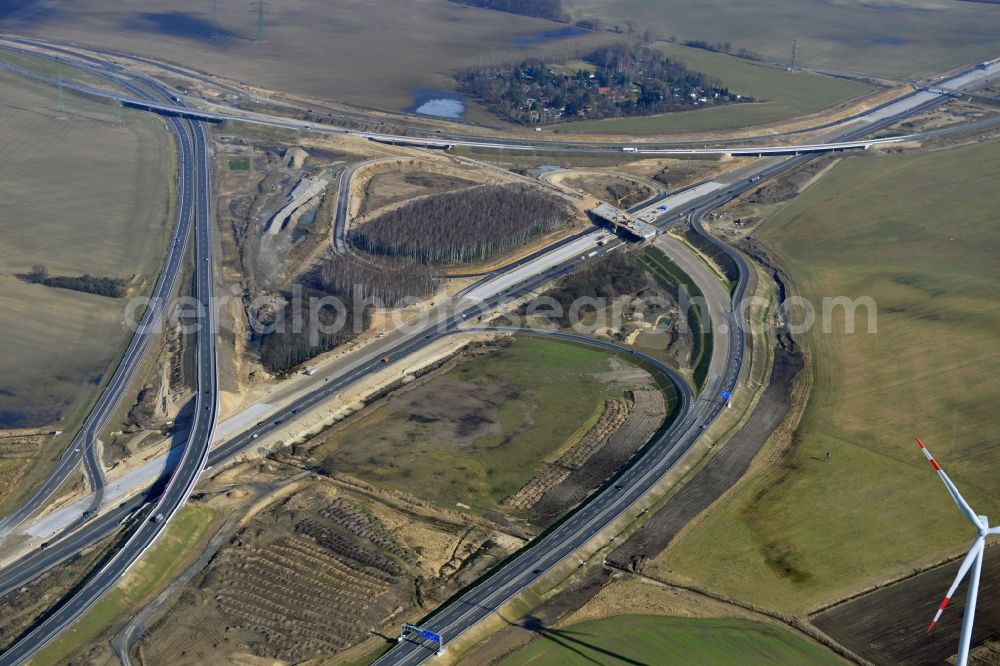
[178, 109]
[604, 507]
[455, 617]
[965, 80]
[196, 176]
[84, 443]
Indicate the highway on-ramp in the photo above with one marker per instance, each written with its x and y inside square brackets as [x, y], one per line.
[84, 444]
[201, 434]
[617, 497]
[486, 597]
[580, 526]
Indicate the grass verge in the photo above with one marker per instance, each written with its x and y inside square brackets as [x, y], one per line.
[188, 528]
[807, 531]
[653, 639]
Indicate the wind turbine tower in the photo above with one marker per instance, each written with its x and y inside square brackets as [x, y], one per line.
[973, 560]
[795, 53]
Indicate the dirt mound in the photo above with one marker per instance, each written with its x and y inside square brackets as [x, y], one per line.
[309, 577]
[616, 411]
[647, 413]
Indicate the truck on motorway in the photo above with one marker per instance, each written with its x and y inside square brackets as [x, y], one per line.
[628, 149]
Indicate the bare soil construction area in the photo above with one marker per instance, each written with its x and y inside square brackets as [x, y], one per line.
[620, 191]
[399, 185]
[745, 213]
[384, 184]
[720, 473]
[314, 574]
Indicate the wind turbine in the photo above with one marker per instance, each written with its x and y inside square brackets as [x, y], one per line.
[973, 560]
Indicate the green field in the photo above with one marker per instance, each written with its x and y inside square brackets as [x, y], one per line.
[79, 195]
[376, 53]
[188, 528]
[903, 38]
[783, 95]
[476, 433]
[652, 639]
[918, 234]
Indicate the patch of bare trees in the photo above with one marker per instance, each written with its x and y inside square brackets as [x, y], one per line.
[387, 281]
[301, 332]
[460, 227]
[89, 284]
[548, 9]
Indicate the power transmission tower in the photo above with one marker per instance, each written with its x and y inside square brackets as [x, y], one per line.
[119, 119]
[215, 19]
[795, 53]
[260, 22]
[61, 102]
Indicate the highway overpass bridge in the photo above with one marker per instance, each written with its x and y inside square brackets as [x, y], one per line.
[173, 111]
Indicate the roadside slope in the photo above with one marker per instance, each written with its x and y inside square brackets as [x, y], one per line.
[809, 531]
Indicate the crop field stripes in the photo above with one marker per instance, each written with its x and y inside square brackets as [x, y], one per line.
[357, 521]
[302, 595]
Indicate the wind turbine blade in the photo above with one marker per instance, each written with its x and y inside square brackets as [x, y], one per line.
[974, 551]
[952, 490]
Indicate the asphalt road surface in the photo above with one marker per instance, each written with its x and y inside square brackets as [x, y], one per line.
[196, 162]
[600, 510]
[485, 598]
[604, 507]
[84, 443]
